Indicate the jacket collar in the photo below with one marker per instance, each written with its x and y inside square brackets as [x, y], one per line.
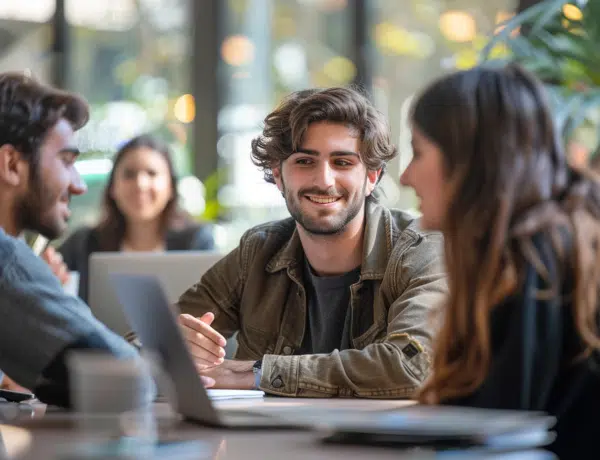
[378, 241]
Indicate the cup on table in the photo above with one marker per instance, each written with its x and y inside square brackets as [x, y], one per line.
[113, 398]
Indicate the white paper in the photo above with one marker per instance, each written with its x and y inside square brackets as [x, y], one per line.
[217, 395]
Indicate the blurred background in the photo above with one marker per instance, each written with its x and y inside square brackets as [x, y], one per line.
[203, 74]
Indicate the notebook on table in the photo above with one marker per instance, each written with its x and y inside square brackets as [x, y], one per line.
[220, 395]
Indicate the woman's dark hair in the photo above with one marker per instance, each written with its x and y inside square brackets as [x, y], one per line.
[509, 179]
[113, 225]
[284, 128]
[29, 109]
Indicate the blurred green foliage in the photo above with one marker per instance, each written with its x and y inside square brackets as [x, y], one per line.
[559, 41]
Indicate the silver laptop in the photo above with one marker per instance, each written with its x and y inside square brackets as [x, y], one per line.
[147, 310]
[176, 270]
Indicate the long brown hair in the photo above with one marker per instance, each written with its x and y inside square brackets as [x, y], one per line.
[510, 180]
[113, 225]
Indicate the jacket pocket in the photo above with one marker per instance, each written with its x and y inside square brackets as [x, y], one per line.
[375, 332]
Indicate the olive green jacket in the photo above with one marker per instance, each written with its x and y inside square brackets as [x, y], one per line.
[258, 291]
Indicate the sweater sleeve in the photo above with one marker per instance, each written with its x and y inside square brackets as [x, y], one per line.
[40, 321]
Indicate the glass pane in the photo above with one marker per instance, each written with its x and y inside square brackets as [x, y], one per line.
[269, 49]
[130, 59]
[26, 37]
[413, 45]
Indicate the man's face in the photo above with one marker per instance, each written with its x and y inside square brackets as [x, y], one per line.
[43, 206]
[325, 183]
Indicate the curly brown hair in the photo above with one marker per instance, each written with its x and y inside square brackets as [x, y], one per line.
[284, 128]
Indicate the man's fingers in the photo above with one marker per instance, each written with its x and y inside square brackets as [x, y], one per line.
[203, 328]
[207, 381]
[202, 367]
[47, 255]
[61, 272]
[55, 261]
[51, 256]
[203, 356]
[64, 277]
[203, 348]
[207, 318]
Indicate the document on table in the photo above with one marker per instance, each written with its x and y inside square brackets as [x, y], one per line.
[218, 395]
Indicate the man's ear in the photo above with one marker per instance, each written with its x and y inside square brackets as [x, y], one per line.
[277, 176]
[372, 179]
[12, 169]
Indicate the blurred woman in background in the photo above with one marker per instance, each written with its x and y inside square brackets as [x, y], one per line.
[140, 213]
[522, 244]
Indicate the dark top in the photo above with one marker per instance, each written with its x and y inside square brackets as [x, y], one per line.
[534, 364]
[328, 313]
[78, 247]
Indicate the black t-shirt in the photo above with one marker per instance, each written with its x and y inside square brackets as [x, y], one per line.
[328, 312]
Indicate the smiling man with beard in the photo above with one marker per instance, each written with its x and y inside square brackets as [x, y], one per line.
[333, 301]
[40, 322]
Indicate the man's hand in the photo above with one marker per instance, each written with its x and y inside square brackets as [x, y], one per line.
[10, 384]
[58, 267]
[207, 381]
[204, 343]
[231, 375]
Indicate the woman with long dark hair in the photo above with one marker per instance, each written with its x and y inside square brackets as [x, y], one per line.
[140, 211]
[519, 329]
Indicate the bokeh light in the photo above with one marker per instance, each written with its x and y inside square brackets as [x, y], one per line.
[458, 26]
[185, 108]
[571, 12]
[237, 50]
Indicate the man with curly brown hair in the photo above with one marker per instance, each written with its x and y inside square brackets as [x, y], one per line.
[333, 301]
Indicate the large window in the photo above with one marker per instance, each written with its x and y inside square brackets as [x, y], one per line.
[273, 47]
[270, 48]
[131, 61]
[416, 43]
[134, 61]
[26, 37]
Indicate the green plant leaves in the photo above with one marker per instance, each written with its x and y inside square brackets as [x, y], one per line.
[564, 52]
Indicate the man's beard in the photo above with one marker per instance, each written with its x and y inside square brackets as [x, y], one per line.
[341, 220]
[34, 211]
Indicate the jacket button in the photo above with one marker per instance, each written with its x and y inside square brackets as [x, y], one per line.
[277, 383]
[287, 350]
